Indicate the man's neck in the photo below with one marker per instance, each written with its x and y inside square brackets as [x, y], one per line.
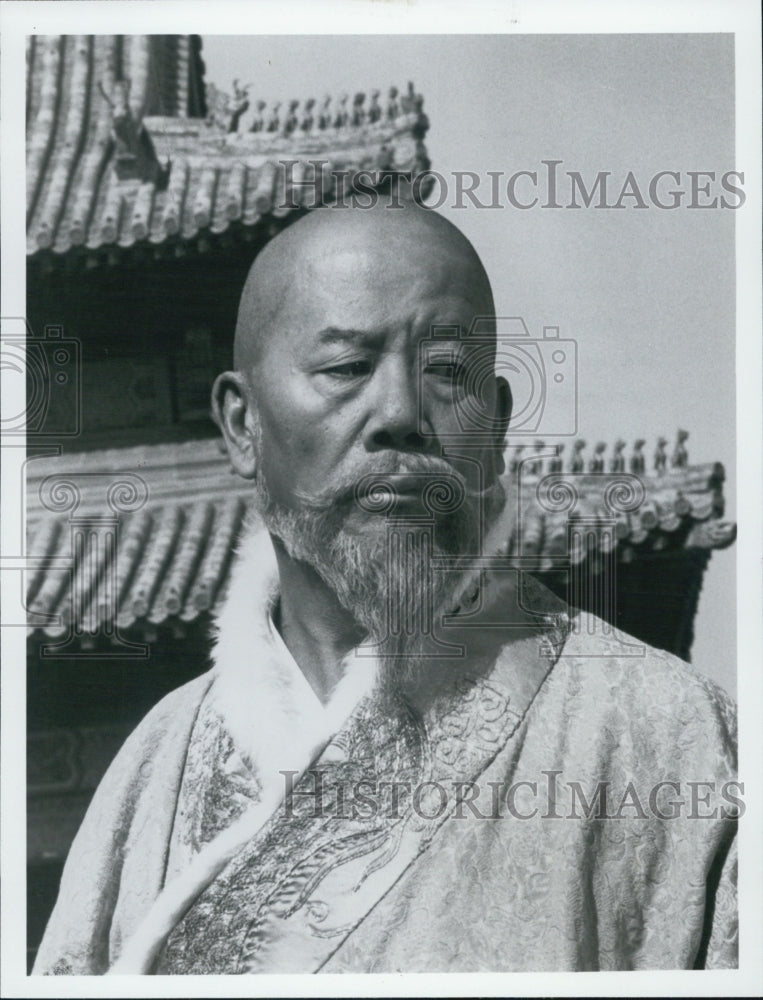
[317, 630]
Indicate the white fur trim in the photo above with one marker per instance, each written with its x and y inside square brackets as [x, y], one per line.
[274, 718]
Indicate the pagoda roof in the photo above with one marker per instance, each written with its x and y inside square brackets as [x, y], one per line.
[126, 150]
[182, 510]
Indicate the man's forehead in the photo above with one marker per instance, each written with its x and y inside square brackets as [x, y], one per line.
[363, 270]
[450, 335]
[370, 257]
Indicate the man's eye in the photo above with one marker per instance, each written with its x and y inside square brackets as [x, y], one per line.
[450, 370]
[353, 369]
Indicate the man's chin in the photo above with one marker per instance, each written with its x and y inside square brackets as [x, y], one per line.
[376, 566]
[365, 527]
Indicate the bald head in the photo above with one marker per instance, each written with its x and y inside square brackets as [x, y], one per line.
[353, 254]
[335, 357]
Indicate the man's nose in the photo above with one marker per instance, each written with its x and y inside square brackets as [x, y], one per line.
[394, 421]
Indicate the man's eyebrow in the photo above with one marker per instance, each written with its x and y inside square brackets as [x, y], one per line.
[335, 335]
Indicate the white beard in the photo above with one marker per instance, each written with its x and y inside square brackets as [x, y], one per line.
[384, 578]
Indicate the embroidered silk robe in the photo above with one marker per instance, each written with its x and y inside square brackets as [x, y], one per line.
[563, 800]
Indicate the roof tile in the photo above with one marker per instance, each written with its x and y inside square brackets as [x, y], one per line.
[173, 557]
[186, 177]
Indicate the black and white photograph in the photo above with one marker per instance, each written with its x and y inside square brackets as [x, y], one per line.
[381, 439]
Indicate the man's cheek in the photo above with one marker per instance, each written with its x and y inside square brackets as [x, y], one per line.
[277, 470]
[286, 437]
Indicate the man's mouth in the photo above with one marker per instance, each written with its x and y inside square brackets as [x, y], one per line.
[384, 494]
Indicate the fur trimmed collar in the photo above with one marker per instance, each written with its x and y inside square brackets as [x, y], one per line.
[275, 719]
[272, 714]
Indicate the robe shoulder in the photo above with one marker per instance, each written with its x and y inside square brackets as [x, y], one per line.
[621, 719]
[118, 857]
[615, 690]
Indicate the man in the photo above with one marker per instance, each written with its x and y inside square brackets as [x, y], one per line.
[408, 756]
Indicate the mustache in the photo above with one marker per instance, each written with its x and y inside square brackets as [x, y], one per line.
[360, 483]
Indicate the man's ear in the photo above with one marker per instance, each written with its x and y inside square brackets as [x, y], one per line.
[504, 405]
[234, 414]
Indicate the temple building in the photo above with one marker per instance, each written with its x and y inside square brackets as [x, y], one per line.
[149, 195]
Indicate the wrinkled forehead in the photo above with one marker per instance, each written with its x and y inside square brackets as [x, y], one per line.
[385, 289]
[385, 277]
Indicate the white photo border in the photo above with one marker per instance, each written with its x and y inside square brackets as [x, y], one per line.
[740, 17]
